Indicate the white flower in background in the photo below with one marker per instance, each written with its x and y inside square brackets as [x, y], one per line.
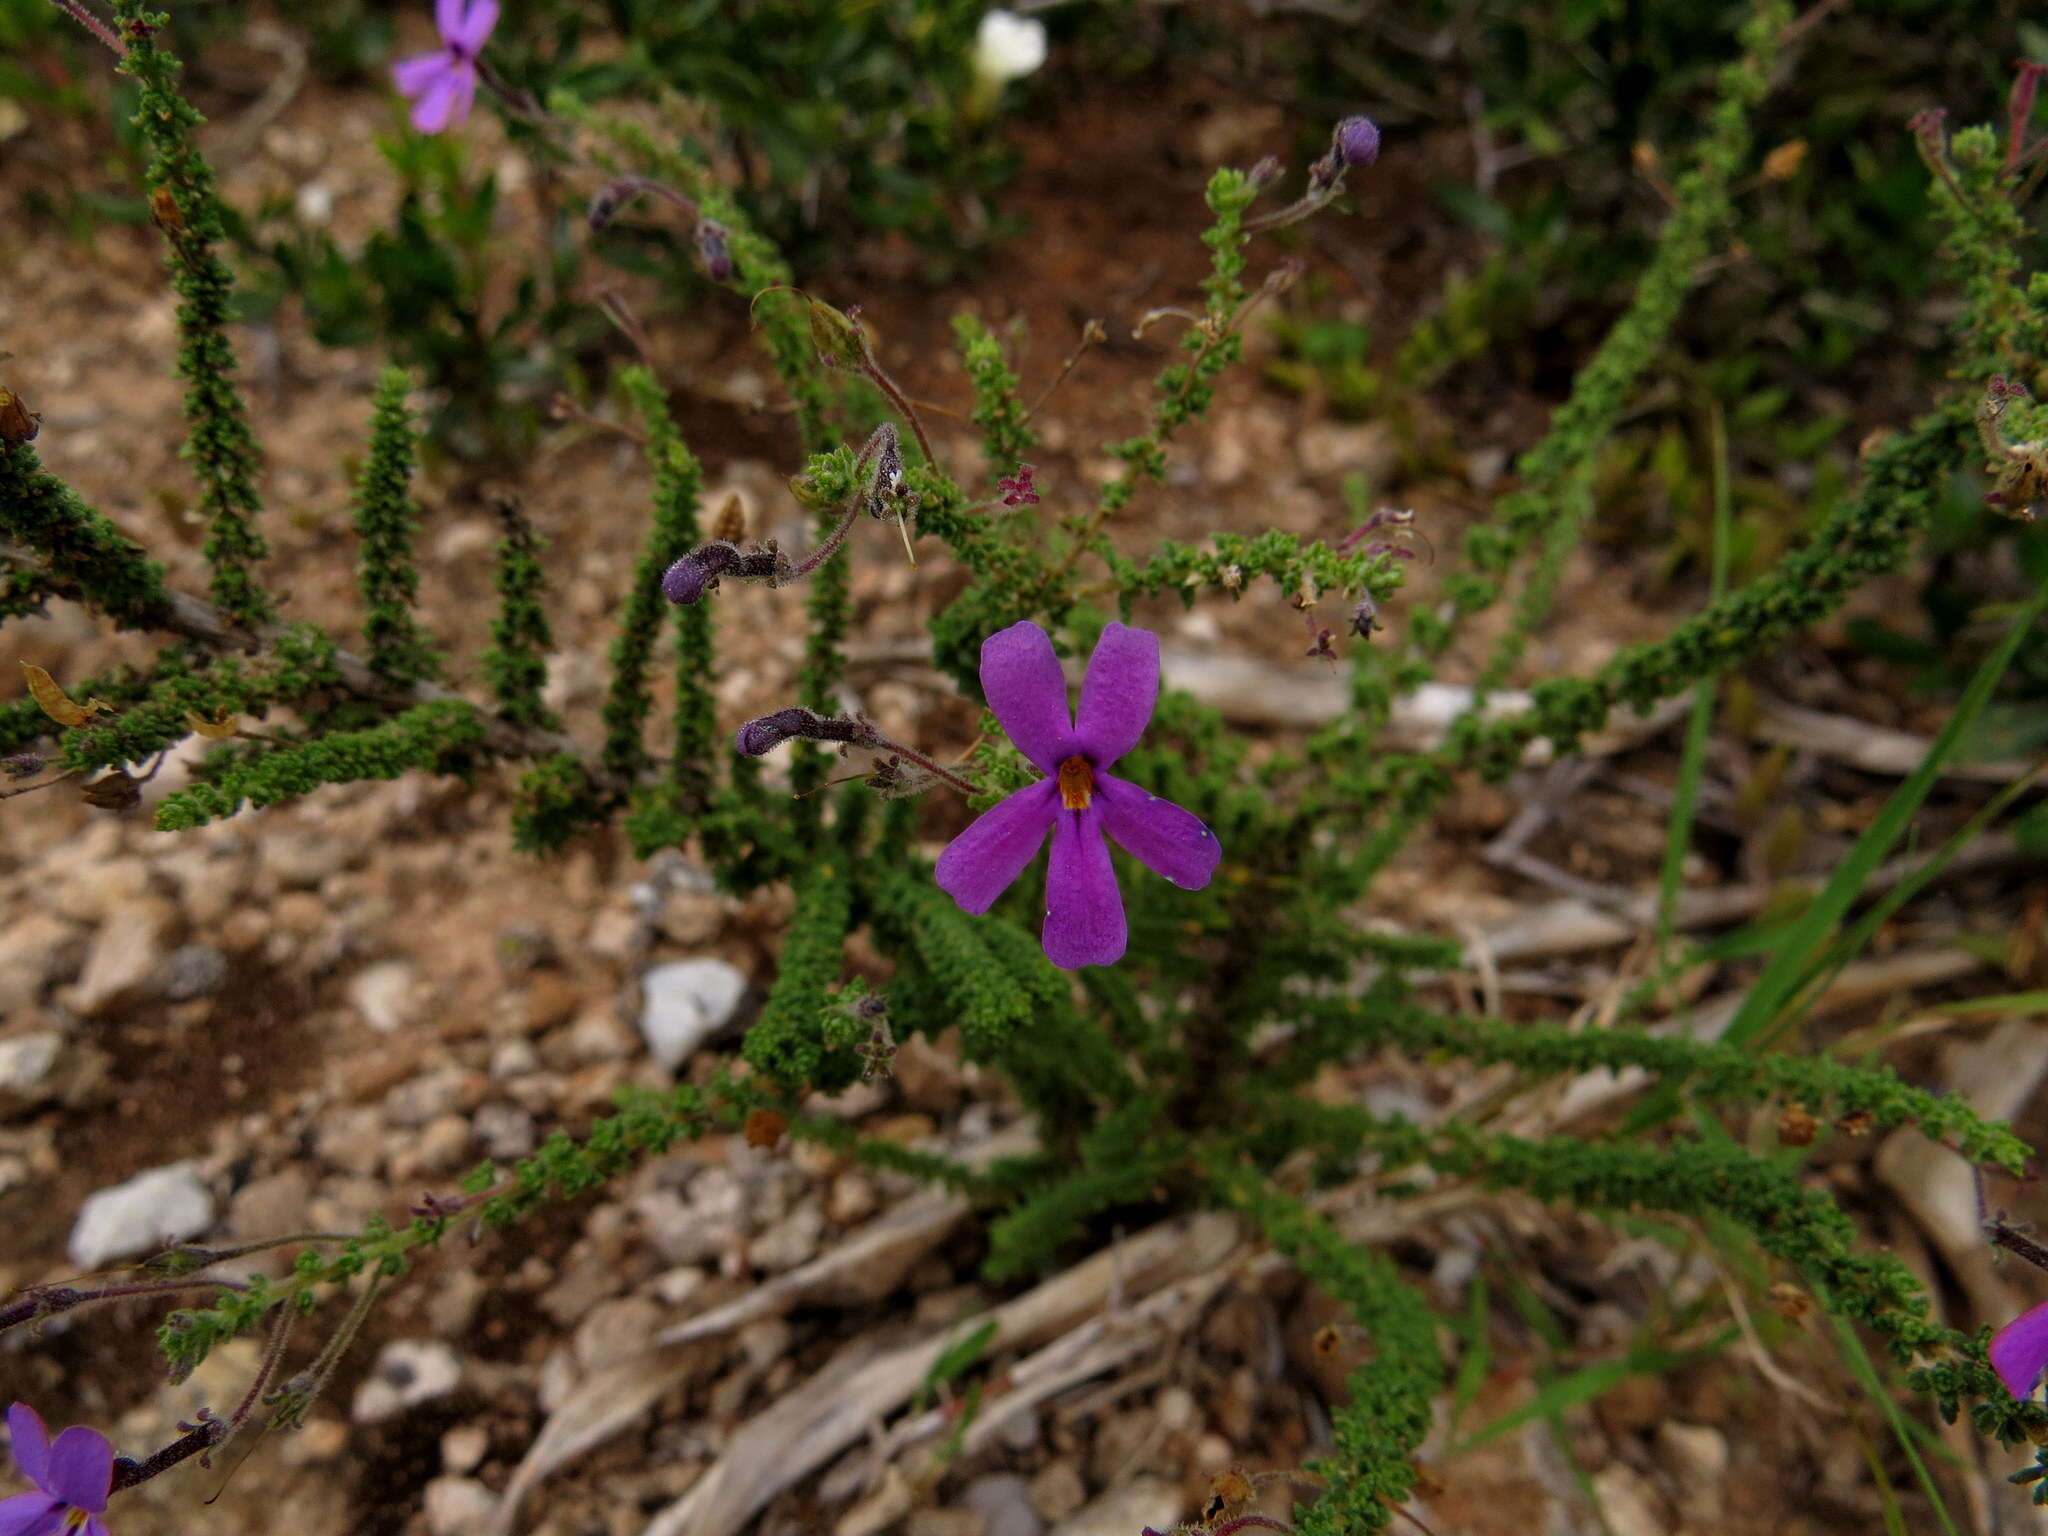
[1008, 46]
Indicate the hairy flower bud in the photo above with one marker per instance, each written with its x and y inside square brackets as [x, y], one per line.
[688, 579]
[1365, 617]
[836, 337]
[771, 731]
[608, 199]
[712, 247]
[1356, 142]
[1265, 172]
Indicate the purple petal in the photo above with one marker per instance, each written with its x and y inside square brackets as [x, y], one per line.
[1084, 911]
[1164, 838]
[31, 1514]
[465, 93]
[1118, 694]
[475, 29]
[2019, 1351]
[95, 1526]
[1025, 687]
[980, 863]
[448, 18]
[432, 112]
[31, 1443]
[416, 76]
[81, 1468]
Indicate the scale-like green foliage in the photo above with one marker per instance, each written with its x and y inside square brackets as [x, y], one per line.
[387, 521]
[221, 449]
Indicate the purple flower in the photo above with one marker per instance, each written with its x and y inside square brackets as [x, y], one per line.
[442, 84]
[1078, 800]
[2019, 1351]
[74, 1476]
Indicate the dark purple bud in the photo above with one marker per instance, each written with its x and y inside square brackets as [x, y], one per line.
[608, 199]
[19, 765]
[771, 731]
[690, 577]
[1356, 142]
[1365, 617]
[712, 248]
[870, 1007]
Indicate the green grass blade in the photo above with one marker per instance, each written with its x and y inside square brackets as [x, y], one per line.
[1788, 967]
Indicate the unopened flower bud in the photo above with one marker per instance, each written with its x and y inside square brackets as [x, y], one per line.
[19, 765]
[716, 254]
[1356, 142]
[690, 577]
[608, 199]
[836, 337]
[1365, 617]
[771, 731]
[1267, 171]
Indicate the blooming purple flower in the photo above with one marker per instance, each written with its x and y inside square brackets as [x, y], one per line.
[442, 84]
[1078, 800]
[73, 1477]
[2019, 1351]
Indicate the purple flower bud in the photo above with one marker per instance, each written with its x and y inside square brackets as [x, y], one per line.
[19, 765]
[690, 577]
[712, 248]
[1267, 171]
[608, 199]
[771, 731]
[1356, 141]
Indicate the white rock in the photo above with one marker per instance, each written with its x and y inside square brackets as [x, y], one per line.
[685, 1003]
[36, 950]
[1141, 1502]
[126, 965]
[459, 1506]
[151, 1211]
[384, 995]
[408, 1372]
[25, 1063]
[1003, 1500]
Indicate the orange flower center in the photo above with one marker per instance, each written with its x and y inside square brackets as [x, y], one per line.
[1077, 783]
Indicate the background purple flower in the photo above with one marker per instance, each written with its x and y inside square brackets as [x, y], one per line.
[2019, 1351]
[1078, 801]
[442, 84]
[73, 1476]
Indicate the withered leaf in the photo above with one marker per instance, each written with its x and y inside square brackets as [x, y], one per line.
[213, 730]
[731, 525]
[55, 702]
[18, 424]
[115, 791]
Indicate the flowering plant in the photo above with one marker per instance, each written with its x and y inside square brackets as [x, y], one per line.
[1205, 1055]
